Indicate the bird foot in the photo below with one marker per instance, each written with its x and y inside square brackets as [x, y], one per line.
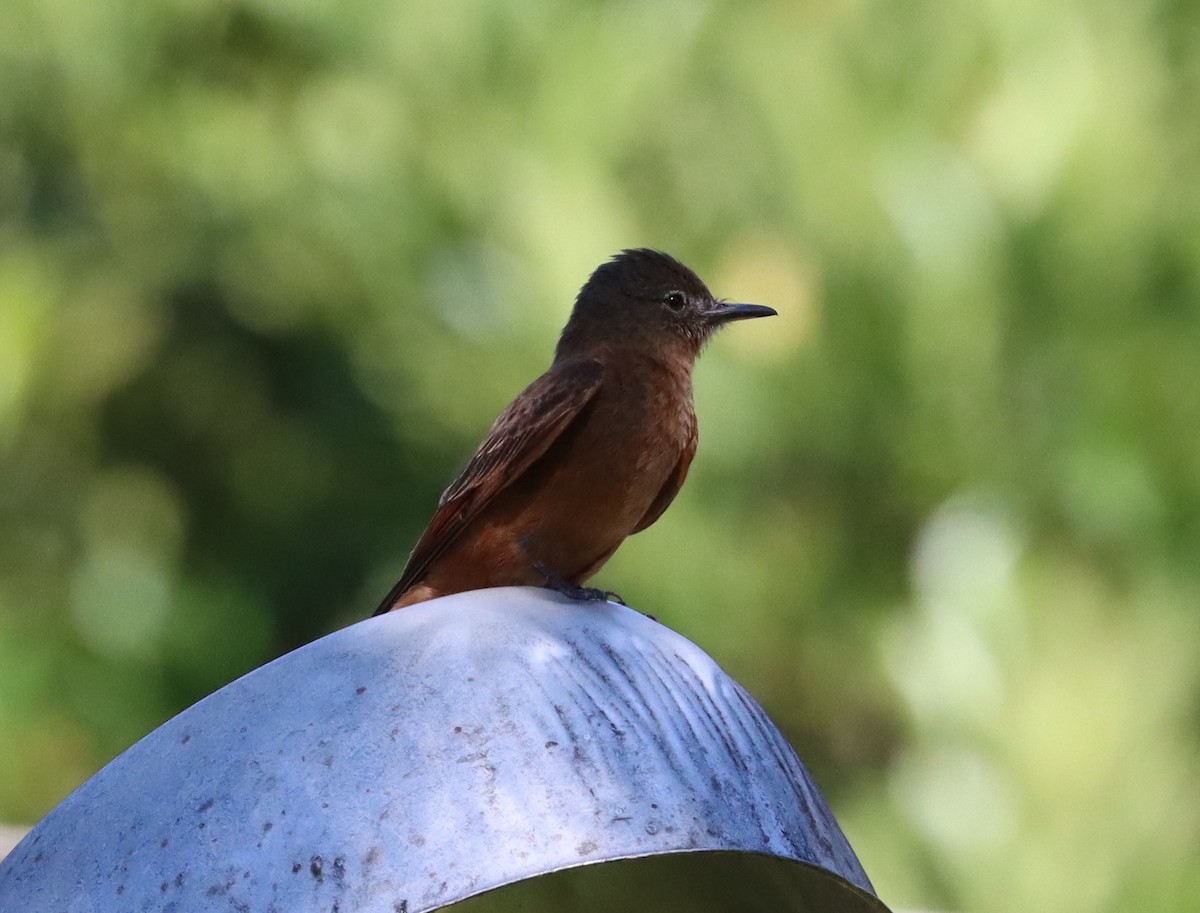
[574, 590]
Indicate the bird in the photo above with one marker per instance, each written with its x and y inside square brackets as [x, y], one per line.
[591, 452]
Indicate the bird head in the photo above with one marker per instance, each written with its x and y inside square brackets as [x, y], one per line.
[648, 298]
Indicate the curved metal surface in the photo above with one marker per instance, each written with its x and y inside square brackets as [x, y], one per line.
[419, 758]
[701, 882]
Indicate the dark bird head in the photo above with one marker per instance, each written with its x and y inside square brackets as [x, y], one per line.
[645, 298]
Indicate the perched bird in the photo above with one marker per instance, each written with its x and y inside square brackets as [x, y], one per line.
[591, 452]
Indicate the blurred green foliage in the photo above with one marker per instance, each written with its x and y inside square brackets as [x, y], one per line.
[268, 269]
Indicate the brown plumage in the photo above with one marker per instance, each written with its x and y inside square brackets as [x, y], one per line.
[592, 451]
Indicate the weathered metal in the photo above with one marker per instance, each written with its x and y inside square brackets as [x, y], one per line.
[434, 754]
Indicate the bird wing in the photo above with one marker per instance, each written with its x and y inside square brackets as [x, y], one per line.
[522, 433]
[671, 487]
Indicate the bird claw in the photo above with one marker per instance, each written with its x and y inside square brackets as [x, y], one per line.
[606, 595]
[575, 591]
[588, 594]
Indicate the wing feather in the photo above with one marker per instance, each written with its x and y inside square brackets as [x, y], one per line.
[522, 433]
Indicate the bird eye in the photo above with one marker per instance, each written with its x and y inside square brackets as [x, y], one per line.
[675, 300]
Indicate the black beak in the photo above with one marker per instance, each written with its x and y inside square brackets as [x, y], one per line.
[724, 312]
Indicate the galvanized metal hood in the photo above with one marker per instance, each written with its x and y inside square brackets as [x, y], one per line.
[429, 755]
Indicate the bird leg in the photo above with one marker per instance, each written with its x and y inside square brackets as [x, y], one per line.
[574, 590]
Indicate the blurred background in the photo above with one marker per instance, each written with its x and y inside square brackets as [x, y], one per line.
[269, 268]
